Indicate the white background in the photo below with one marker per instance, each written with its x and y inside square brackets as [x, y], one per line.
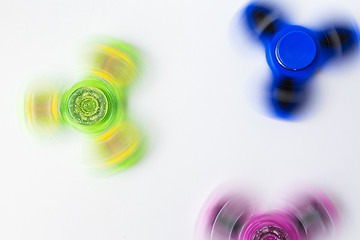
[198, 100]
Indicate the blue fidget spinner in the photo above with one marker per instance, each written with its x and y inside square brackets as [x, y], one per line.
[294, 53]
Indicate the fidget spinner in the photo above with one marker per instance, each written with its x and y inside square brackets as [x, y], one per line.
[294, 53]
[96, 105]
[232, 217]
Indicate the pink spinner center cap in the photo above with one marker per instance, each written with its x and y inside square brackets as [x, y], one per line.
[270, 226]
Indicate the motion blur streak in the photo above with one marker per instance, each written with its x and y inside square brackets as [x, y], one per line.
[96, 106]
[41, 109]
[295, 53]
[234, 216]
[117, 148]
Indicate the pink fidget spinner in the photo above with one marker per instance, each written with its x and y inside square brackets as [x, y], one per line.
[232, 217]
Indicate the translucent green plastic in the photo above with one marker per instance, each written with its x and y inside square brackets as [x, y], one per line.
[92, 105]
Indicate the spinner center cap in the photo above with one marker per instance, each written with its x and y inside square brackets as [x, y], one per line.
[295, 50]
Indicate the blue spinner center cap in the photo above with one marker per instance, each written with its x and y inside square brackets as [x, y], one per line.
[295, 50]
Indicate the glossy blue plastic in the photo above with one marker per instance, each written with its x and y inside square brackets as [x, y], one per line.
[294, 53]
[296, 50]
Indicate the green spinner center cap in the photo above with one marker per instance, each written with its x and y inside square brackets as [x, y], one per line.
[88, 105]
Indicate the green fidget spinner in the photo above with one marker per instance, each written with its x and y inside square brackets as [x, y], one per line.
[95, 105]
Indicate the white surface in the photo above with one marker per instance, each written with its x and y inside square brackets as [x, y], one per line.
[204, 129]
